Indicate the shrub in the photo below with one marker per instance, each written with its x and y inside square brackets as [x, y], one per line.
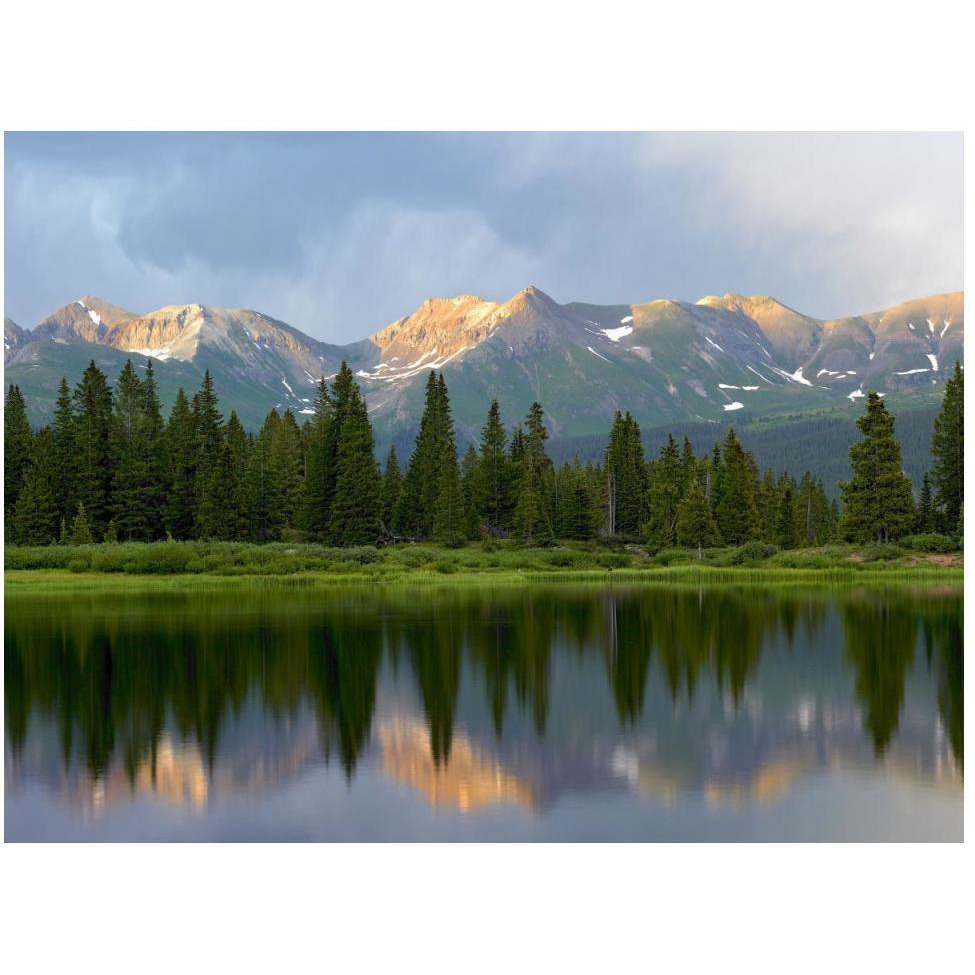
[881, 553]
[160, 558]
[930, 542]
[78, 565]
[446, 568]
[414, 558]
[358, 555]
[674, 556]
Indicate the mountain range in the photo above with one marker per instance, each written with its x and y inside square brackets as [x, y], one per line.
[668, 362]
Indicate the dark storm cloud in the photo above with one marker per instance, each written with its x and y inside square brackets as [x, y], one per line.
[341, 233]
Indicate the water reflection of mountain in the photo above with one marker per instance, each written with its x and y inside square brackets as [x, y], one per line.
[525, 697]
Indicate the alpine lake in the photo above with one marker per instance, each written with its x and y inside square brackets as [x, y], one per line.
[470, 713]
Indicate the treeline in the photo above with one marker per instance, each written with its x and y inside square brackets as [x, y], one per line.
[109, 467]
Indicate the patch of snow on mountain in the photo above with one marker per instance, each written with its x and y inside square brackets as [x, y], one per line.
[796, 377]
[726, 386]
[872, 354]
[749, 389]
[760, 376]
[734, 406]
[310, 412]
[933, 359]
[910, 325]
[623, 321]
[595, 353]
[910, 372]
[856, 394]
[284, 382]
[615, 334]
[94, 316]
[930, 326]
[426, 355]
[161, 354]
[945, 329]
[715, 344]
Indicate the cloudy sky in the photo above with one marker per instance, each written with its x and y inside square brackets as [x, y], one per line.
[340, 234]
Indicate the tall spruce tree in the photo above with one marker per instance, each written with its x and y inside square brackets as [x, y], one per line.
[35, 516]
[948, 450]
[666, 490]
[319, 485]
[493, 475]
[878, 504]
[926, 516]
[356, 506]
[626, 478]
[391, 490]
[179, 508]
[533, 511]
[420, 485]
[221, 514]
[93, 453]
[286, 445]
[449, 509]
[208, 438]
[62, 469]
[17, 440]
[734, 505]
[264, 495]
[138, 462]
[696, 527]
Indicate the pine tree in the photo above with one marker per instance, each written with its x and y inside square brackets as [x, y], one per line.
[666, 489]
[207, 437]
[179, 508]
[356, 507]
[320, 459]
[925, 508]
[817, 524]
[156, 461]
[35, 516]
[420, 485]
[626, 478]
[264, 496]
[948, 450]
[787, 535]
[221, 515]
[696, 527]
[92, 443]
[16, 447]
[138, 463]
[533, 511]
[878, 504]
[449, 510]
[391, 490]
[239, 443]
[287, 449]
[80, 528]
[734, 506]
[62, 473]
[493, 475]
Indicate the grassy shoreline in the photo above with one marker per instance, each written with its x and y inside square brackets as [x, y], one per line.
[54, 580]
[201, 565]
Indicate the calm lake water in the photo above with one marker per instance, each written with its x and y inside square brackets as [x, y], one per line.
[644, 713]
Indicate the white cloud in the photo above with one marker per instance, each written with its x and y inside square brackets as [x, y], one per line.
[873, 215]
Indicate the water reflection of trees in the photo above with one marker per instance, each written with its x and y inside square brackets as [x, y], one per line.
[113, 679]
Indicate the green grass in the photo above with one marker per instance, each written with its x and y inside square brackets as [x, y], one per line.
[175, 565]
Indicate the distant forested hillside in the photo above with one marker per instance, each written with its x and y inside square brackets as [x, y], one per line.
[818, 444]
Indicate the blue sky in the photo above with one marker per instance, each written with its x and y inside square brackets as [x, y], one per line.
[341, 233]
